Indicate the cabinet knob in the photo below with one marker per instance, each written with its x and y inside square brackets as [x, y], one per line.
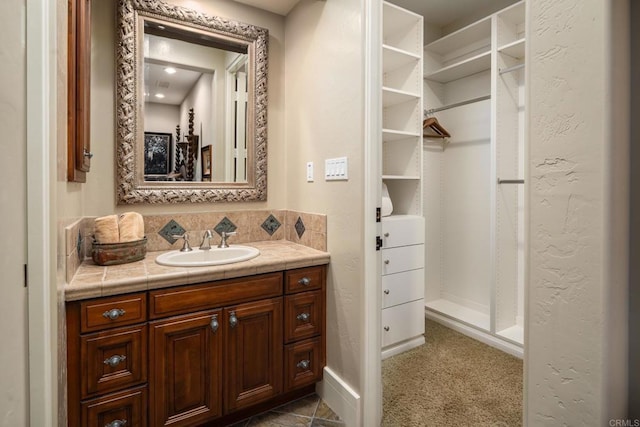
[386, 328]
[114, 360]
[303, 364]
[214, 322]
[386, 234]
[116, 423]
[386, 291]
[233, 320]
[386, 262]
[113, 314]
[303, 317]
[305, 281]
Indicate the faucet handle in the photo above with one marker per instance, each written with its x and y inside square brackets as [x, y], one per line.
[224, 235]
[186, 247]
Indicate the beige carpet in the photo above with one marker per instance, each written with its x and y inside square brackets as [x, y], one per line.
[452, 380]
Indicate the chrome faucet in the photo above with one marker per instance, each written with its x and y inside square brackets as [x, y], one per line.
[186, 247]
[224, 236]
[206, 240]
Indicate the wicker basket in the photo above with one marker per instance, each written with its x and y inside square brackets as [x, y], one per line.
[118, 253]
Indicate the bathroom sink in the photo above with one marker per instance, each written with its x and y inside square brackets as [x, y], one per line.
[213, 256]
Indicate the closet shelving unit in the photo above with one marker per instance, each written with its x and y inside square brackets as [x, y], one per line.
[473, 83]
[403, 231]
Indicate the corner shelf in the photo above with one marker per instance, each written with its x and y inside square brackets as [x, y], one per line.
[514, 49]
[464, 68]
[463, 37]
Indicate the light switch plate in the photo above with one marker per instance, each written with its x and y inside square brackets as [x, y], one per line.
[336, 169]
[309, 171]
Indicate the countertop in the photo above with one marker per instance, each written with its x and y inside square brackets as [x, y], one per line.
[92, 280]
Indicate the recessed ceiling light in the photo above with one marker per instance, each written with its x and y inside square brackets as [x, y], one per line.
[170, 70]
[161, 27]
[159, 95]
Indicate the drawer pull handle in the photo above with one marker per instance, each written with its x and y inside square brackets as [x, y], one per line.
[386, 234]
[214, 323]
[303, 317]
[386, 291]
[114, 360]
[304, 364]
[305, 281]
[116, 423]
[386, 262]
[386, 328]
[113, 314]
[233, 320]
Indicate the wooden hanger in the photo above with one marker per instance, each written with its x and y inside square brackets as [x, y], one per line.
[432, 123]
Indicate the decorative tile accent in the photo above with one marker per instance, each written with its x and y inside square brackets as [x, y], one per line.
[79, 250]
[225, 225]
[170, 229]
[271, 225]
[299, 227]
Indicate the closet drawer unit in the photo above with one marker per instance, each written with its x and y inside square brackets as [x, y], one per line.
[402, 322]
[121, 310]
[125, 409]
[402, 231]
[402, 287]
[302, 315]
[304, 279]
[303, 363]
[113, 360]
[396, 260]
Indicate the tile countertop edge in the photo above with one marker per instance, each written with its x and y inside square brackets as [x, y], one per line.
[276, 254]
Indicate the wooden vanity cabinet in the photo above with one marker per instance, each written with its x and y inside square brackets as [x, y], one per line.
[209, 353]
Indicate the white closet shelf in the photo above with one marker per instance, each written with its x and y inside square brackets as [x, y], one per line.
[467, 67]
[513, 14]
[514, 49]
[394, 58]
[463, 37]
[464, 314]
[390, 135]
[514, 333]
[399, 217]
[391, 97]
[400, 177]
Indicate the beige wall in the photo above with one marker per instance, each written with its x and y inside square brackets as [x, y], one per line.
[324, 119]
[98, 194]
[578, 142]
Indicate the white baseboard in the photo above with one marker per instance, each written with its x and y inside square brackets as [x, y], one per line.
[476, 334]
[340, 397]
[402, 347]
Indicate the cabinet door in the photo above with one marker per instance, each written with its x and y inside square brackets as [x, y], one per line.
[253, 352]
[124, 409]
[185, 382]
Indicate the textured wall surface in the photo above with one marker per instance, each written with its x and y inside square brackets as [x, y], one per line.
[574, 227]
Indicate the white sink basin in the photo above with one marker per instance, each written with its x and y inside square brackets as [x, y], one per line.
[213, 256]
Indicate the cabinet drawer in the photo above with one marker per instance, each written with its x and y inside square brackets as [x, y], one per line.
[124, 409]
[402, 322]
[303, 363]
[304, 279]
[187, 299]
[402, 287]
[303, 316]
[121, 310]
[403, 258]
[113, 360]
[402, 231]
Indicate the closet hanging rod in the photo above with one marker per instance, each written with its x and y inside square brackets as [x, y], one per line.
[510, 69]
[510, 181]
[457, 104]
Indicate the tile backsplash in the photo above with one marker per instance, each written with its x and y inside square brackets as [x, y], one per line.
[250, 226]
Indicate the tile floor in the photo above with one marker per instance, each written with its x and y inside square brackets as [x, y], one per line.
[309, 411]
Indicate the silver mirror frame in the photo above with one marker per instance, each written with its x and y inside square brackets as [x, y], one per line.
[131, 187]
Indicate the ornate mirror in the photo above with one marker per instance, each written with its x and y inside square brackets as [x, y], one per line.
[191, 106]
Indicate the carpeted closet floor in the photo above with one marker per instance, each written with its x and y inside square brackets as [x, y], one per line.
[452, 380]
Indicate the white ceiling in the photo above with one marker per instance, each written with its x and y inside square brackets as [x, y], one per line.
[445, 12]
[281, 7]
[174, 87]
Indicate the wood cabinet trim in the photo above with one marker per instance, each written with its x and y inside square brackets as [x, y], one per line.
[93, 317]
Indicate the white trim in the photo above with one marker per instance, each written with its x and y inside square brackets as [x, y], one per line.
[402, 347]
[476, 334]
[41, 42]
[340, 397]
[372, 341]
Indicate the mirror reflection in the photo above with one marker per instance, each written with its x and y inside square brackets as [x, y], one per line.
[195, 106]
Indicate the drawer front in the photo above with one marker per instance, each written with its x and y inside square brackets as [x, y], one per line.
[402, 322]
[402, 287]
[402, 231]
[303, 315]
[303, 363]
[125, 409]
[304, 279]
[404, 258]
[113, 360]
[121, 310]
[187, 299]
